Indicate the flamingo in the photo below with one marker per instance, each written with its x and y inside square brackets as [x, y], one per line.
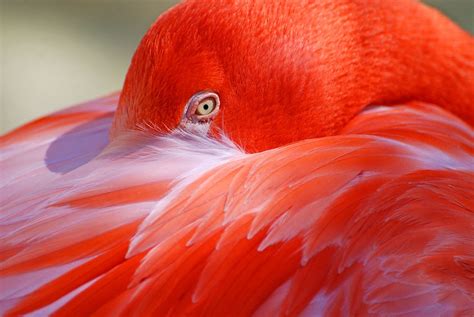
[293, 158]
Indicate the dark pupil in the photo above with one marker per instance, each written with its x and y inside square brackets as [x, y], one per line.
[206, 106]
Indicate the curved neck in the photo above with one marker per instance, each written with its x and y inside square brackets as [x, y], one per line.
[356, 53]
[411, 52]
[327, 59]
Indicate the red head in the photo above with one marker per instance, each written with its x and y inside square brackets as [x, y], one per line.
[290, 70]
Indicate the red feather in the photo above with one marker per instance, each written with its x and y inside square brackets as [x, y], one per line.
[309, 203]
[378, 220]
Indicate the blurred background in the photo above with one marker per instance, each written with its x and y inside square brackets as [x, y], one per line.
[55, 53]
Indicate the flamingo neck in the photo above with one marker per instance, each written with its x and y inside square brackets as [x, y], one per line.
[411, 52]
[388, 52]
[304, 75]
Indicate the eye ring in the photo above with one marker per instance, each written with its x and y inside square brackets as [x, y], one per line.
[202, 107]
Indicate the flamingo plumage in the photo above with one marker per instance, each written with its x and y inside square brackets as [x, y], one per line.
[336, 176]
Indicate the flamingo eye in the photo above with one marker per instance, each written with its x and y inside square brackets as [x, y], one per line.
[206, 107]
[202, 107]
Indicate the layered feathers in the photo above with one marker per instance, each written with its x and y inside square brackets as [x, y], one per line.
[375, 221]
[305, 200]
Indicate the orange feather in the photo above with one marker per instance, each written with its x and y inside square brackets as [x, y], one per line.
[306, 199]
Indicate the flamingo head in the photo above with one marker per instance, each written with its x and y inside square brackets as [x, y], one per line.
[215, 67]
[268, 73]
